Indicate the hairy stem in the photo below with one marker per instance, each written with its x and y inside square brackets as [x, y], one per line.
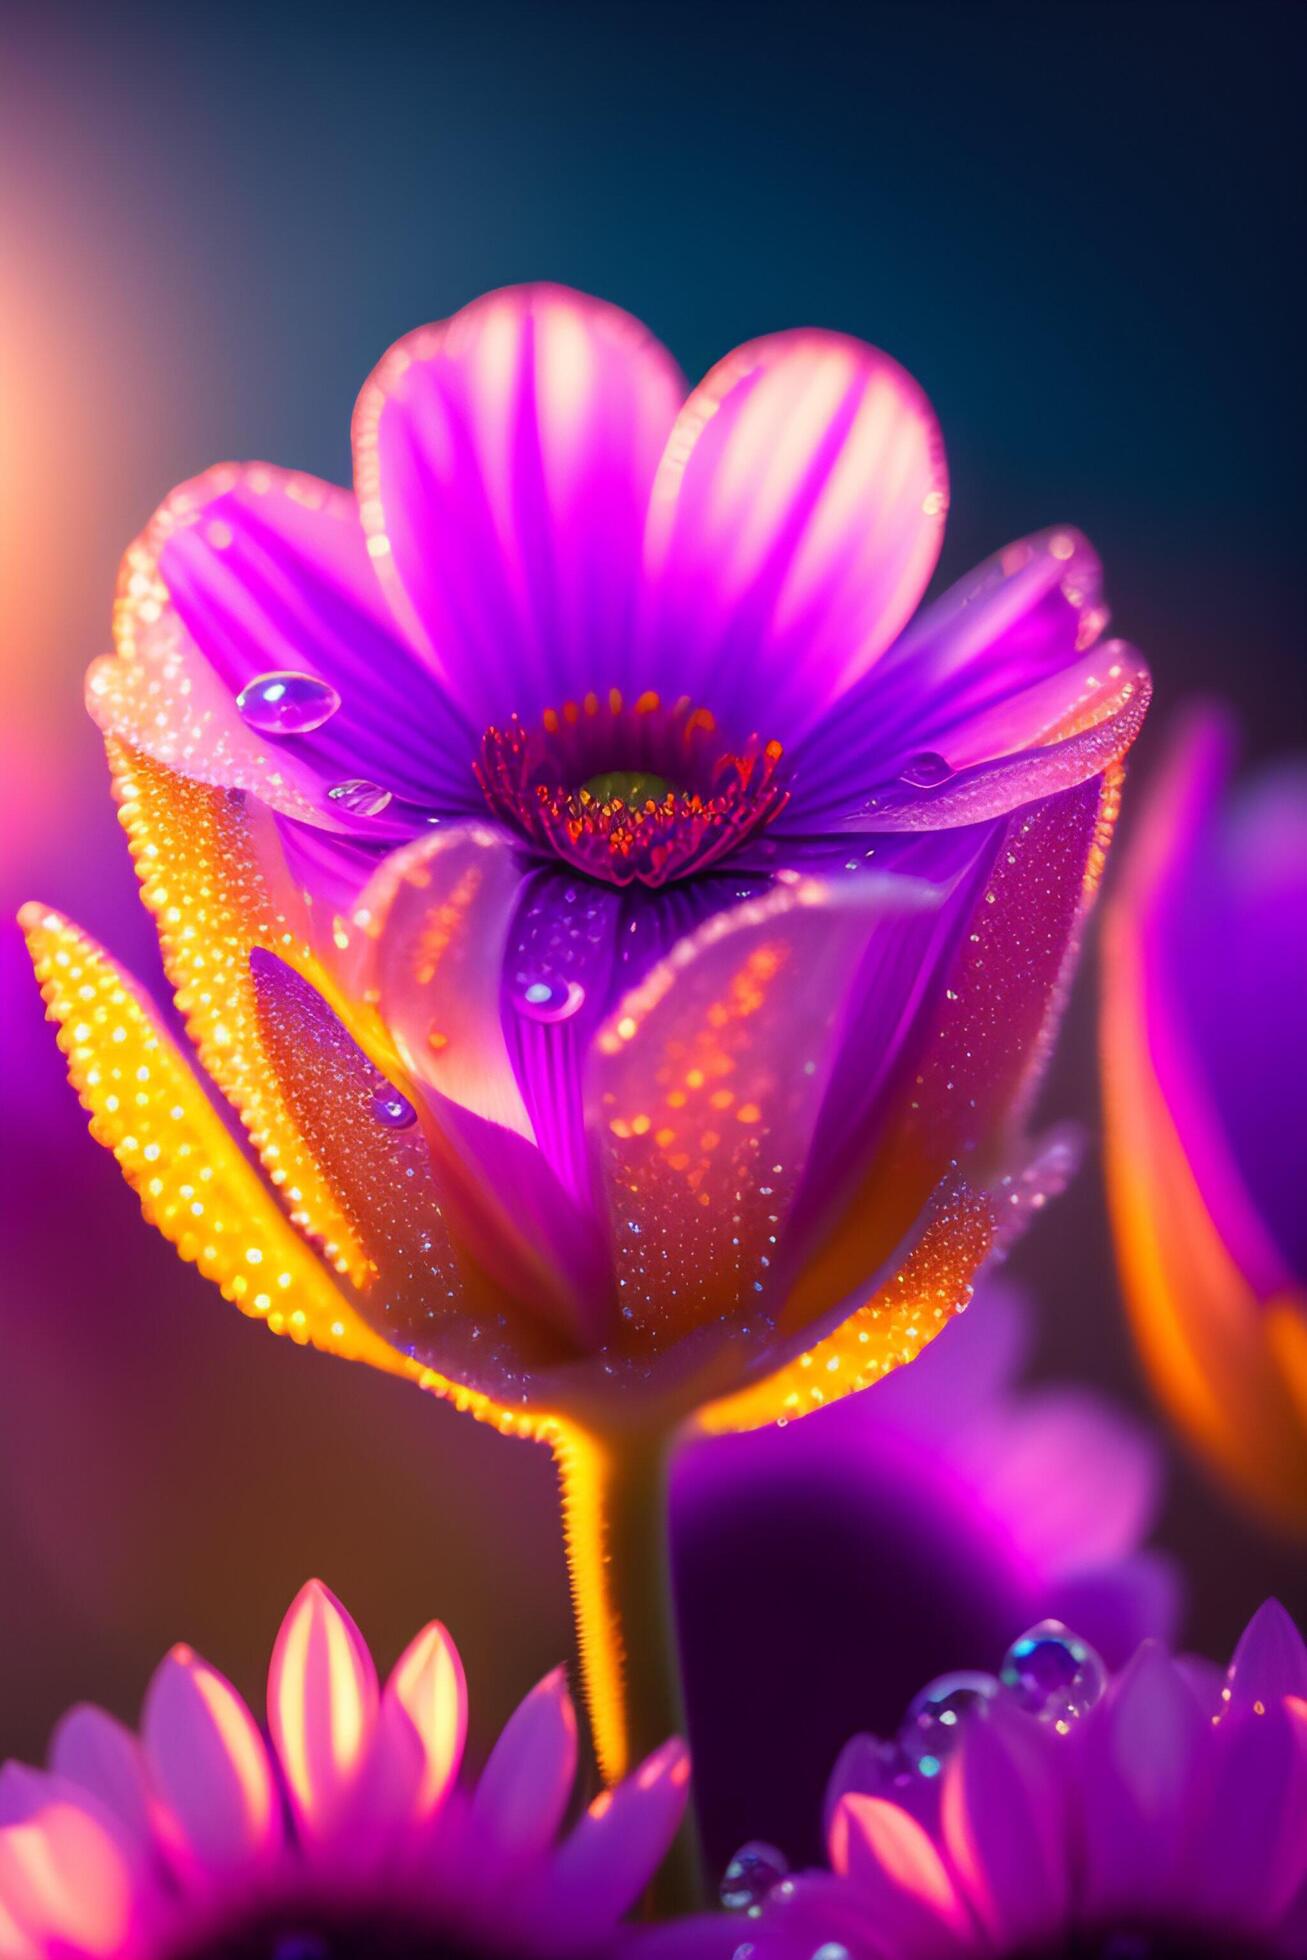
[614, 1491]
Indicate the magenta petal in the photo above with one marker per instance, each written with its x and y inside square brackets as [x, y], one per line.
[794, 524]
[610, 1857]
[525, 1786]
[251, 571]
[503, 460]
[95, 1750]
[1269, 1662]
[1003, 1817]
[972, 656]
[209, 1765]
[1144, 1768]
[1250, 1859]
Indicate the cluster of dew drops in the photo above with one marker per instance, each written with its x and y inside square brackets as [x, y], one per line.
[1049, 1672]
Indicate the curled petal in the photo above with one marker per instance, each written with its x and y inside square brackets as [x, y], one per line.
[794, 524]
[208, 1762]
[322, 1706]
[96, 1751]
[618, 1845]
[1269, 1663]
[503, 460]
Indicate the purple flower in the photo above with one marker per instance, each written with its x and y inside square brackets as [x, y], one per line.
[1162, 1817]
[570, 831]
[344, 1832]
[912, 1527]
[1205, 1054]
[630, 944]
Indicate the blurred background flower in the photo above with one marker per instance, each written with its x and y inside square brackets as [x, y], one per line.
[899, 1535]
[210, 227]
[348, 1832]
[1205, 1065]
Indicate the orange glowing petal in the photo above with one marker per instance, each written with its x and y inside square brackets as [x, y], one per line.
[429, 1685]
[1232, 1372]
[63, 1882]
[872, 1837]
[194, 1184]
[200, 877]
[208, 1761]
[322, 1704]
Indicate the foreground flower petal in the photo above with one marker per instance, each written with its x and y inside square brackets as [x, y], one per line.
[1142, 1822]
[221, 1874]
[1201, 1040]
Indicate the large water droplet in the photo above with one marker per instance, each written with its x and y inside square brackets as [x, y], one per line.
[927, 771]
[752, 1873]
[936, 1718]
[360, 798]
[287, 703]
[548, 1000]
[391, 1108]
[1053, 1673]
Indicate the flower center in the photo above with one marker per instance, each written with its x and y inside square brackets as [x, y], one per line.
[641, 793]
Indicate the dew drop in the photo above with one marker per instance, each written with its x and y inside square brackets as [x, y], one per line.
[548, 1000]
[286, 703]
[360, 798]
[927, 771]
[392, 1109]
[937, 1716]
[1053, 1673]
[754, 1871]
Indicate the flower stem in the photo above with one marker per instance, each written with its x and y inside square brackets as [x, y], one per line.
[614, 1491]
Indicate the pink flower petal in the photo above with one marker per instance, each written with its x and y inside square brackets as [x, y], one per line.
[208, 1762]
[428, 1684]
[794, 524]
[247, 571]
[1144, 1749]
[322, 1705]
[910, 1893]
[1002, 1810]
[525, 1786]
[64, 1885]
[95, 1750]
[1250, 1857]
[1269, 1662]
[503, 461]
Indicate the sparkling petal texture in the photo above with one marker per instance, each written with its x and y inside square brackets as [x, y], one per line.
[1218, 1310]
[379, 1835]
[1146, 1826]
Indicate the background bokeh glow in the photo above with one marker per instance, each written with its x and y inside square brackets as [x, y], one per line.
[1074, 225]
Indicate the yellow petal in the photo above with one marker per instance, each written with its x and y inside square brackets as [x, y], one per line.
[174, 1150]
[195, 1186]
[201, 878]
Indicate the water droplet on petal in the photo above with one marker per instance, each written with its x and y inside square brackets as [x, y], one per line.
[753, 1872]
[927, 771]
[1053, 1673]
[548, 1000]
[391, 1108]
[937, 1716]
[360, 798]
[287, 703]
